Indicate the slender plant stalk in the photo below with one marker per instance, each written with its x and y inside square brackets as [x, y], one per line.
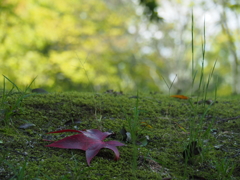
[133, 130]
[169, 86]
[98, 118]
[208, 81]
[192, 32]
[133, 124]
[17, 104]
[196, 124]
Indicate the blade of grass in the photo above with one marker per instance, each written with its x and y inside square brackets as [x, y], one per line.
[209, 79]
[169, 86]
[12, 83]
[192, 32]
[28, 87]
[203, 60]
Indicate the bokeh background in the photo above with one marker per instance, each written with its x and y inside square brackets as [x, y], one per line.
[125, 45]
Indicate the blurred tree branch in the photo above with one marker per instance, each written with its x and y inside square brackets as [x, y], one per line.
[232, 46]
[151, 10]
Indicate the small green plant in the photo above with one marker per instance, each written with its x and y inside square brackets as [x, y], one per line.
[19, 172]
[224, 168]
[196, 124]
[77, 173]
[169, 85]
[7, 110]
[197, 134]
[194, 143]
[97, 106]
[136, 128]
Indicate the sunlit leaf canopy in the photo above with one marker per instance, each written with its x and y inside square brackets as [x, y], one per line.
[100, 44]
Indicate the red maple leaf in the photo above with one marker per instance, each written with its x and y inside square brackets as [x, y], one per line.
[90, 141]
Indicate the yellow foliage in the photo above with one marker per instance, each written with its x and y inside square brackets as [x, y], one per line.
[45, 38]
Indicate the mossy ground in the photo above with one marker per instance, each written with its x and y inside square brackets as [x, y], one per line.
[23, 150]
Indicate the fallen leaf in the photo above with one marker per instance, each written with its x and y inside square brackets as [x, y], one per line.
[146, 125]
[90, 141]
[182, 128]
[180, 96]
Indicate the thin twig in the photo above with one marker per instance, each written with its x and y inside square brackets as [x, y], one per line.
[225, 120]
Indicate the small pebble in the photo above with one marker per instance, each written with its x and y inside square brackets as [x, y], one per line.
[39, 90]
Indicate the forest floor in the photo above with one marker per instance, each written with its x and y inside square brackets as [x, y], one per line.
[166, 127]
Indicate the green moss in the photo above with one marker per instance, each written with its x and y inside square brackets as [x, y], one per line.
[162, 157]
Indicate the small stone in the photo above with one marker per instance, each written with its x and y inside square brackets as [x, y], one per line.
[39, 90]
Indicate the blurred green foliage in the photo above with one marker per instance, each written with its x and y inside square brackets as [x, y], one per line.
[100, 44]
[151, 10]
[61, 41]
